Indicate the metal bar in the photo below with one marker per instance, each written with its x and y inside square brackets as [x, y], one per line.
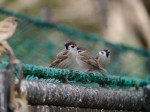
[65, 95]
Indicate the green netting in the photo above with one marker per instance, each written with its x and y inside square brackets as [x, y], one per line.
[33, 72]
[37, 42]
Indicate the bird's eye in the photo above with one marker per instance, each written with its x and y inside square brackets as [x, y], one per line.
[79, 51]
[72, 46]
[102, 52]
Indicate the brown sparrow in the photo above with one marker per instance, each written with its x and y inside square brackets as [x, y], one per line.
[66, 57]
[87, 62]
[103, 58]
[8, 28]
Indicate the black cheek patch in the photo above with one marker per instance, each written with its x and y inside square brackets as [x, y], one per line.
[67, 45]
[107, 54]
[72, 46]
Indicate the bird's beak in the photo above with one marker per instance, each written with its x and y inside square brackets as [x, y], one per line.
[18, 20]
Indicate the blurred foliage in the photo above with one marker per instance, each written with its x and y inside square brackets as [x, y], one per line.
[55, 8]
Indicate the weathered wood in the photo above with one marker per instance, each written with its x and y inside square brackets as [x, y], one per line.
[65, 95]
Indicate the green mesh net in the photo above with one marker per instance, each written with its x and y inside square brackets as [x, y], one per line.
[37, 42]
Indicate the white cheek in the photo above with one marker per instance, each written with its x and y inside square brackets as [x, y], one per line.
[100, 54]
[69, 48]
[75, 49]
[103, 55]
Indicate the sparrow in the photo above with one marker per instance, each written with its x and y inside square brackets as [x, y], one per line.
[8, 27]
[103, 58]
[87, 62]
[66, 57]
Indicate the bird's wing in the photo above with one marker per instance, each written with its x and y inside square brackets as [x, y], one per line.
[3, 50]
[59, 58]
[88, 59]
[62, 53]
[97, 56]
[92, 61]
[4, 27]
[98, 59]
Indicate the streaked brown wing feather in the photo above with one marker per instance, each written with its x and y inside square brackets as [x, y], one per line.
[4, 27]
[59, 58]
[88, 59]
[100, 66]
[61, 53]
[3, 50]
[97, 56]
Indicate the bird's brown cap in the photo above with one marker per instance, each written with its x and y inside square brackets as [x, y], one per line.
[106, 50]
[81, 48]
[12, 18]
[70, 42]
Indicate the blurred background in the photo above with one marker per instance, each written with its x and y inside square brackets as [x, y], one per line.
[120, 22]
